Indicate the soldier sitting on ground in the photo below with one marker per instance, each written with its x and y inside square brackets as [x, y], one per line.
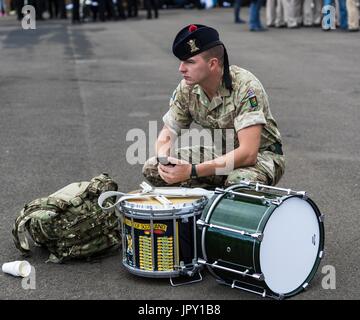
[216, 96]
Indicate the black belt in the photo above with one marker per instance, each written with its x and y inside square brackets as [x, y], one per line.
[276, 148]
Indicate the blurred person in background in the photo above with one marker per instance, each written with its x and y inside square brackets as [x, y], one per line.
[8, 6]
[237, 6]
[254, 16]
[149, 6]
[294, 18]
[2, 8]
[120, 9]
[62, 9]
[276, 13]
[271, 12]
[132, 8]
[106, 10]
[353, 15]
[18, 4]
[76, 12]
[312, 13]
[342, 12]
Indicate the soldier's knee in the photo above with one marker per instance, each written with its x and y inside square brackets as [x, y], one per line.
[150, 168]
[237, 176]
[279, 172]
[149, 165]
[150, 172]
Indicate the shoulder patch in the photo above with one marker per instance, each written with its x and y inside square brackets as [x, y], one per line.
[250, 93]
[253, 101]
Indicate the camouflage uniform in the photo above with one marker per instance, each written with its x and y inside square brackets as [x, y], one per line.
[245, 106]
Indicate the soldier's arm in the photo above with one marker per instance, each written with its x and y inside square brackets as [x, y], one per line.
[243, 156]
[165, 141]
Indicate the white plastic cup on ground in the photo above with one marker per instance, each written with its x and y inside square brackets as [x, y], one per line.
[17, 268]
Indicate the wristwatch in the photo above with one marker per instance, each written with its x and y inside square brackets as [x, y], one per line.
[193, 174]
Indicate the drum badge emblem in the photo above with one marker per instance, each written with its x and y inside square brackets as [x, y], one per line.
[192, 44]
[130, 244]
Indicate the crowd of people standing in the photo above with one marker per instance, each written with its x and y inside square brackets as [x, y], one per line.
[279, 13]
[95, 10]
[297, 13]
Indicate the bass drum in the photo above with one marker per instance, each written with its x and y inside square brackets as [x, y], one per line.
[262, 239]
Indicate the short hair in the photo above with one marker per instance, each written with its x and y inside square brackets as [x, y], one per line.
[215, 52]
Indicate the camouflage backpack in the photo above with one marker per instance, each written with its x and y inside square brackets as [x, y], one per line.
[69, 222]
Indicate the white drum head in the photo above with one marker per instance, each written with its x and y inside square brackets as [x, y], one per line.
[290, 245]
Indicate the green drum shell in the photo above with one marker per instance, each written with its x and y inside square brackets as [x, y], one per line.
[240, 252]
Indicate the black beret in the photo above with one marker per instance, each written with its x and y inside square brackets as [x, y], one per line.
[194, 39]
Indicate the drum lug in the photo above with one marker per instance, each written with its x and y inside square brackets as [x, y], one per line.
[277, 202]
[322, 218]
[219, 191]
[200, 223]
[173, 284]
[258, 236]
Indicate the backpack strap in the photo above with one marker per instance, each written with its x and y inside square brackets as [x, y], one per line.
[100, 184]
[28, 212]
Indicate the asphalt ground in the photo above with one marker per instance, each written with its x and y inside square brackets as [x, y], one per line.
[70, 94]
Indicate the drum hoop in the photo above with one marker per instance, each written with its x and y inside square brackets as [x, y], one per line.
[166, 215]
[149, 273]
[163, 208]
[321, 242]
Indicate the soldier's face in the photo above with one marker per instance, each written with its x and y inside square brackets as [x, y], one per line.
[195, 70]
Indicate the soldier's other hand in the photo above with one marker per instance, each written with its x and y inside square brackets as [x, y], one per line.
[179, 172]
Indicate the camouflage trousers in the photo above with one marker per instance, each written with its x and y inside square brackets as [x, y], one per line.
[268, 169]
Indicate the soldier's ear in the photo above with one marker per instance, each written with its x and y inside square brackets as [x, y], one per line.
[213, 63]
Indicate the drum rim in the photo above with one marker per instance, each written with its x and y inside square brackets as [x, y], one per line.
[163, 210]
[150, 273]
[317, 261]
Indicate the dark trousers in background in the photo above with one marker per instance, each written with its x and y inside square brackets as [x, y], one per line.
[76, 11]
[120, 9]
[254, 14]
[62, 9]
[39, 7]
[132, 8]
[53, 8]
[151, 5]
[108, 7]
[18, 5]
[237, 6]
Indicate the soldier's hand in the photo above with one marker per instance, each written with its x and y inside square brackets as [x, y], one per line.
[179, 171]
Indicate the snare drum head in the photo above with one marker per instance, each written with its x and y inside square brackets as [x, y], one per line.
[151, 206]
[289, 252]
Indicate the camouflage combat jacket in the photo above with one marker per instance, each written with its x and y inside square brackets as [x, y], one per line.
[245, 106]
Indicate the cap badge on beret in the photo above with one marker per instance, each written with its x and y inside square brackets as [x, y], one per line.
[192, 44]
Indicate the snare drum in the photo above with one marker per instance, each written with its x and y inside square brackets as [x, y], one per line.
[262, 239]
[159, 240]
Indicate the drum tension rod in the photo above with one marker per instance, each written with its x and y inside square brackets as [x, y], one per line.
[262, 199]
[263, 186]
[257, 236]
[257, 276]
